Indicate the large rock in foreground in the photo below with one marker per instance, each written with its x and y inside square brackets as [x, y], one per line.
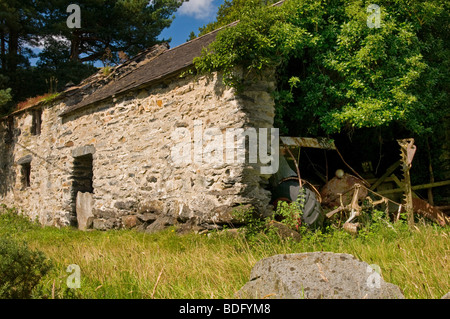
[317, 275]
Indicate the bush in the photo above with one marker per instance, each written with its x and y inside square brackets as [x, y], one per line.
[21, 269]
[11, 221]
[289, 214]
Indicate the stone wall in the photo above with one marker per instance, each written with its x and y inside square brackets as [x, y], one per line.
[129, 140]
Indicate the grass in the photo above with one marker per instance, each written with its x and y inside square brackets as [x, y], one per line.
[48, 97]
[126, 264]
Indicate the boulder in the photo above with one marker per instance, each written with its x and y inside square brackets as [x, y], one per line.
[317, 275]
[446, 296]
[84, 203]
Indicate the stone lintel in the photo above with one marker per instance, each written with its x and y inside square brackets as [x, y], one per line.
[25, 160]
[83, 150]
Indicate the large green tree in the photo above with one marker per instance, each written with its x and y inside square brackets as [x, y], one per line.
[19, 28]
[231, 11]
[335, 72]
[110, 26]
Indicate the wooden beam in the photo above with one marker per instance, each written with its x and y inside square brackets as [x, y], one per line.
[415, 188]
[373, 180]
[322, 143]
[431, 185]
[389, 171]
[401, 185]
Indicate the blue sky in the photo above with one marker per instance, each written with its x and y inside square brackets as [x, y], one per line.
[189, 17]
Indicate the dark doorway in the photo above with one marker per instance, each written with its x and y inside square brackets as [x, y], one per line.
[82, 180]
[25, 170]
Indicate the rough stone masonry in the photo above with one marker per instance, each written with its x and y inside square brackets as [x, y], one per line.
[110, 137]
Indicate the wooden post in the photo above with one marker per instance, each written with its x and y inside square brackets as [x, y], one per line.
[430, 168]
[407, 151]
[408, 201]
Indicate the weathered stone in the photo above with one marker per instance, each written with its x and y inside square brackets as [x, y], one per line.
[152, 179]
[83, 150]
[317, 275]
[129, 221]
[128, 205]
[135, 162]
[112, 223]
[104, 213]
[446, 296]
[99, 224]
[160, 224]
[154, 207]
[25, 160]
[184, 213]
[85, 202]
[147, 217]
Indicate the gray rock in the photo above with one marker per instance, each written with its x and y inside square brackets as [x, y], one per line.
[147, 217]
[25, 160]
[154, 206]
[84, 202]
[190, 226]
[99, 224]
[83, 150]
[446, 296]
[128, 205]
[130, 221]
[317, 275]
[160, 224]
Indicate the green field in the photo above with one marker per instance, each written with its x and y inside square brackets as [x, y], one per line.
[127, 264]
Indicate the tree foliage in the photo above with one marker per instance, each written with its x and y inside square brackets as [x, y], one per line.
[21, 269]
[335, 72]
[110, 29]
[118, 25]
[231, 11]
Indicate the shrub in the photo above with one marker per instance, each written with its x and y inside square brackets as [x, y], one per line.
[289, 214]
[21, 269]
[254, 224]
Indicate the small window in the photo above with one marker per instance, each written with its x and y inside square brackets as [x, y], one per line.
[25, 170]
[37, 122]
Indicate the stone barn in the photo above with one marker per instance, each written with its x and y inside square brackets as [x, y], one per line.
[100, 155]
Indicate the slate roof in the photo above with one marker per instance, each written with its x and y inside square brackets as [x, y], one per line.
[164, 64]
[159, 66]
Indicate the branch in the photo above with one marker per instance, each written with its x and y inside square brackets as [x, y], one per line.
[92, 57]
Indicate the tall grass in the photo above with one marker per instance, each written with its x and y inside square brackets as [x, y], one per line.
[126, 264]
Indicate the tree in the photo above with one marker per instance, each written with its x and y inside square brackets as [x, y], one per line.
[5, 97]
[19, 27]
[19, 24]
[118, 25]
[54, 64]
[334, 72]
[231, 11]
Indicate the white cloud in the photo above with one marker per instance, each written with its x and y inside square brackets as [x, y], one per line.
[199, 9]
[41, 42]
